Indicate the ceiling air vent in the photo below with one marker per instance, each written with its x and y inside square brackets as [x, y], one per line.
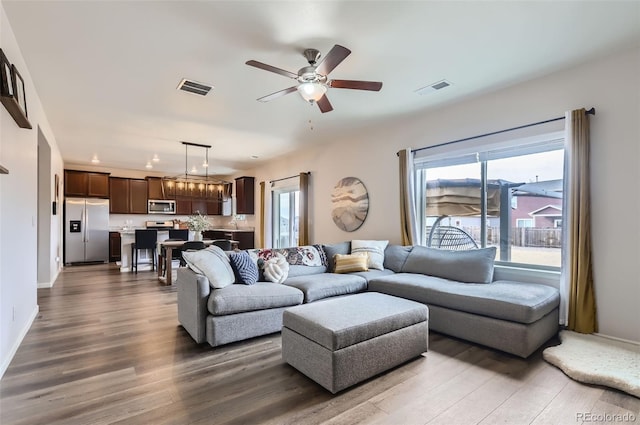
[439, 85]
[194, 87]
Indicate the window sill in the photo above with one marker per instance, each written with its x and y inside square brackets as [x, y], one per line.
[527, 275]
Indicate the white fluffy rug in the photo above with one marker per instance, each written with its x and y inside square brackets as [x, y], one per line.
[596, 360]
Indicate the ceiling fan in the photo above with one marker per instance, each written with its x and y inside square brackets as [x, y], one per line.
[313, 80]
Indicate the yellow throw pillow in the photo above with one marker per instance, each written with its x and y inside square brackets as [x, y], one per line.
[351, 262]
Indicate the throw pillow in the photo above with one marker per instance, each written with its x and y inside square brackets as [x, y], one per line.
[210, 265]
[375, 250]
[333, 249]
[349, 263]
[470, 266]
[245, 270]
[276, 269]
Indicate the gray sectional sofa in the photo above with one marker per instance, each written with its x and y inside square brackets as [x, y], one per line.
[458, 287]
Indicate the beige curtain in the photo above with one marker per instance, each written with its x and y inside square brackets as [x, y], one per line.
[303, 223]
[263, 217]
[581, 303]
[408, 226]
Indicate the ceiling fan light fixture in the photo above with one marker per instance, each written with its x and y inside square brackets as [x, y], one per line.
[312, 91]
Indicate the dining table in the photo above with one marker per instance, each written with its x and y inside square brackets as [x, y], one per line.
[165, 254]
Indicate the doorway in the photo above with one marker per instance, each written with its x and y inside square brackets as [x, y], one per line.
[44, 212]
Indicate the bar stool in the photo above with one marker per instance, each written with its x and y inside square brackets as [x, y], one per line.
[144, 239]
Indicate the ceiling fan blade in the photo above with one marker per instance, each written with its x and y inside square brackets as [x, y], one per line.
[278, 94]
[356, 85]
[324, 104]
[336, 55]
[272, 69]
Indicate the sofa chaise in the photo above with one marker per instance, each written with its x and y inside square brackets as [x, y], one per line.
[458, 287]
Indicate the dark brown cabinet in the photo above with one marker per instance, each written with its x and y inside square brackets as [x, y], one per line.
[245, 195]
[245, 238]
[114, 247]
[86, 183]
[119, 195]
[183, 206]
[155, 188]
[138, 196]
[128, 196]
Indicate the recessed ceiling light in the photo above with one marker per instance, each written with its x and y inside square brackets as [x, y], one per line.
[148, 166]
[95, 159]
[438, 85]
[155, 158]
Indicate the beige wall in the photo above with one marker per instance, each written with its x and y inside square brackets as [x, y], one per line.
[18, 209]
[611, 85]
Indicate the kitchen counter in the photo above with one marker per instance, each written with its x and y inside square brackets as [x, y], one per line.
[232, 229]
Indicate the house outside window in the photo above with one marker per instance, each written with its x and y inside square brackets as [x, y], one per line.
[509, 197]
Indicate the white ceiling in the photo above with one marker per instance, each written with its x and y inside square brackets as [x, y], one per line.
[107, 72]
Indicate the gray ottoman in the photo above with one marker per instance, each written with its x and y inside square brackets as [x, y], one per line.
[341, 341]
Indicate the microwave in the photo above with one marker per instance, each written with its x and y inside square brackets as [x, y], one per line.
[161, 206]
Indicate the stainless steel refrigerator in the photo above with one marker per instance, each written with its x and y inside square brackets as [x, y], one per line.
[86, 230]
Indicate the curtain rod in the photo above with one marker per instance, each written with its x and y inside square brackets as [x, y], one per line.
[287, 178]
[591, 111]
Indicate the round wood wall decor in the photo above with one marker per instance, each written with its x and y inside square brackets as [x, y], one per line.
[350, 204]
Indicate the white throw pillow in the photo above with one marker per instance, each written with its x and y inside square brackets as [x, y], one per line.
[375, 250]
[210, 264]
[276, 269]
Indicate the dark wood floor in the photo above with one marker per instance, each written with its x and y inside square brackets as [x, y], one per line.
[106, 348]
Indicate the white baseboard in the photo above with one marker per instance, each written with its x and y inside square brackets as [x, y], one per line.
[49, 284]
[7, 361]
[627, 341]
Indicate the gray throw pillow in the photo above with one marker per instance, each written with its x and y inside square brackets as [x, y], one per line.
[470, 266]
[333, 249]
[395, 257]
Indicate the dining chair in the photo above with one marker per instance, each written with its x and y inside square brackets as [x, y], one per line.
[190, 246]
[224, 244]
[174, 235]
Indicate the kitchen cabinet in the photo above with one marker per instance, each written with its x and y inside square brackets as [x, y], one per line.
[127, 196]
[115, 247]
[214, 207]
[245, 195]
[183, 206]
[169, 187]
[86, 183]
[245, 238]
[137, 196]
[119, 195]
[155, 188]
[199, 205]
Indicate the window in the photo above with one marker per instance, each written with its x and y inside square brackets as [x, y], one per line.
[524, 222]
[509, 196]
[286, 204]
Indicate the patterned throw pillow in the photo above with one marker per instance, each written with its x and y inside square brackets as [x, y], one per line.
[351, 262]
[244, 268]
[375, 250]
